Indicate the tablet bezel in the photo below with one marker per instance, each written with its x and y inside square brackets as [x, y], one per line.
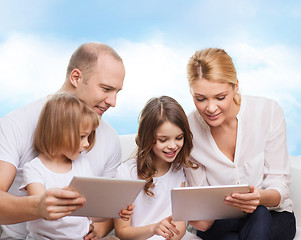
[205, 202]
[106, 197]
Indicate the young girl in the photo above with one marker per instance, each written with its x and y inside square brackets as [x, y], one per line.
[164, 143]
[65, 129]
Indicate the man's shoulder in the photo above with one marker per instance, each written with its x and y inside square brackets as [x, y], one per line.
[29, 111]
[106, 130]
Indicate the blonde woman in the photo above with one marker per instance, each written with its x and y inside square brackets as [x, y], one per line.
[239, 140]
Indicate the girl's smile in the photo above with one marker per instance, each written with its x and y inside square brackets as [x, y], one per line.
[170, 140]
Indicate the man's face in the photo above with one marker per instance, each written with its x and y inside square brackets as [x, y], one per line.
[100, 90]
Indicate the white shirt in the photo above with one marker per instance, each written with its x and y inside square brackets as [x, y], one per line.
[16, 136]
[149, 210]
[69, 227]
[261, 157]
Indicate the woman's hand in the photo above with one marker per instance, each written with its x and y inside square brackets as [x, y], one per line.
[166, 228]
[126, 214]
[246, 202]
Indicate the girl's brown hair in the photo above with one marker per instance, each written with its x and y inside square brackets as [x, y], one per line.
[212, 64]
[58, 128]
[154, 114]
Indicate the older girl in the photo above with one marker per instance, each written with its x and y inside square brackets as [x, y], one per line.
[164, 143]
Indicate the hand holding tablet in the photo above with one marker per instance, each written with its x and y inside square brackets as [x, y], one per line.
[205, 203]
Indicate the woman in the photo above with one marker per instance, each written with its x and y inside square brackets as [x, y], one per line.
[239, 140]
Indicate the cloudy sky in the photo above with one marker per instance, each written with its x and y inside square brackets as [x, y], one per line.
[155, 38]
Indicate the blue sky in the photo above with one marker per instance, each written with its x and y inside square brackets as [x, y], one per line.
[155, 39]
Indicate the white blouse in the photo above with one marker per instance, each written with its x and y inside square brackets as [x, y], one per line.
[261, 157]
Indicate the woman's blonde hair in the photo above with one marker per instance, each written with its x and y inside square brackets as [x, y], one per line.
[58, 128]
[212, 64]
[156, 112]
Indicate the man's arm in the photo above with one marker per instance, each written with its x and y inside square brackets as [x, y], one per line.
[51, 205]
[13, 209]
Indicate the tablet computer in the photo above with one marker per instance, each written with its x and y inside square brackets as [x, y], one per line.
[106, 197]
[204, 203]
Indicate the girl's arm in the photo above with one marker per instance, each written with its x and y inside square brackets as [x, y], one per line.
[165, 228]
[202, 225]
[35, 189]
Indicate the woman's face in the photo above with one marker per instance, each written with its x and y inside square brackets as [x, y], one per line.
[213, 100]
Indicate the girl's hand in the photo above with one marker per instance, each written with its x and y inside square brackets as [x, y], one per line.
[246, 202]
[126, 214]
[91, 234]
[166, 228]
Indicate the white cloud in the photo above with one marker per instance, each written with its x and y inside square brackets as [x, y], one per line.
[31, 67]
[270, 71]
[152, 69]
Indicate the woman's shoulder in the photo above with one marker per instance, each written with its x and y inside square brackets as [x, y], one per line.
[258, 103]
[248, 99]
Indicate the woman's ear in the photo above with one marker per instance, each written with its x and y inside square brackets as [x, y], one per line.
[236, 88]
[75, 77]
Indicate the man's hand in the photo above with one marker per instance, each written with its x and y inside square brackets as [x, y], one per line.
[57, 203]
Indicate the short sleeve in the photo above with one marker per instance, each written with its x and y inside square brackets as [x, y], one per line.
[31, 175]
[9, 141]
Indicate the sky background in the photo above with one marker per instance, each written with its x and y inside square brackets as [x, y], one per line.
[155, 39]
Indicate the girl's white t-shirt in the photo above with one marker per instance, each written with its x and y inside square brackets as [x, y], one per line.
[149, 210]
[69, 227]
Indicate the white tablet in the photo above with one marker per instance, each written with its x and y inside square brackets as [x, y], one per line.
[204, 203]
[106, 197]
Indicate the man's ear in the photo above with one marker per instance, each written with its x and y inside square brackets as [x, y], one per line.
[75, 77]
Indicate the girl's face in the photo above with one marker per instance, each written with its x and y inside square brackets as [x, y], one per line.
[169, 142]
[213, 100]
[84, 143]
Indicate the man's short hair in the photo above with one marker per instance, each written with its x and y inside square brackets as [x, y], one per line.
[86, 56]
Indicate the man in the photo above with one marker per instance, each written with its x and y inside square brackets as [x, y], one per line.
[95, 74]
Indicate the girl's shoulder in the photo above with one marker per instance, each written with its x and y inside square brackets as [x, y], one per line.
[35, 163]
[127, 169]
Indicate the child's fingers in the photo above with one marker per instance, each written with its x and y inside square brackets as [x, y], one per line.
[131, 207]
[165, 232]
